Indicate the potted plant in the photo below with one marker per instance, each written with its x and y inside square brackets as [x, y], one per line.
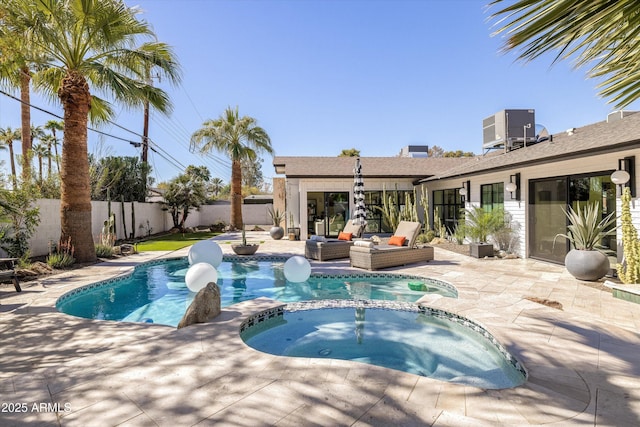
[586, 229]
[244, 248]
[292, 230]
[276, 232]
[478, 225]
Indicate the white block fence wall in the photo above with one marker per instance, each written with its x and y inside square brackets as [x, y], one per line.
[159, 220]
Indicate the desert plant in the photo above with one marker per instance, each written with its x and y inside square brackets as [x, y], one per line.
[424, 202]
[63, 257]
[459, 233]
[479, 223]
[423, 238]
[108, 235]
[104, 251]
[587, 228]
[438, 227]
[391, 212]
[629, 270]
[507, 237]
[277, 217]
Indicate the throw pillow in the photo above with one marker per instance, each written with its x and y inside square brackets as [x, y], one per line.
[397, 240]
[344, 236]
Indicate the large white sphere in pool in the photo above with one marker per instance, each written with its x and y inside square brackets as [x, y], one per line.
[205, 251]
[297, 269]
[198, 275]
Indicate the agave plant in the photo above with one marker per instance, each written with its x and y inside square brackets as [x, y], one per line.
[276, 216]
[587, 228]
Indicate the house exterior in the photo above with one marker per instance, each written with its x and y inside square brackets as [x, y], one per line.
[563, 170]
[318, 191]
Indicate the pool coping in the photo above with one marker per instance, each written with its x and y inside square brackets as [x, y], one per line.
[571, 379]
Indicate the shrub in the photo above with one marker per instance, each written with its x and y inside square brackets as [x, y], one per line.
[60, 260]
[63, 257]
[104, 251]
[507, 237]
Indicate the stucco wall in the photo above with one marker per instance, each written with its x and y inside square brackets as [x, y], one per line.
[159, 220]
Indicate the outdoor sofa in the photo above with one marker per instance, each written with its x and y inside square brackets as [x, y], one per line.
[373, 257]
[326, 249]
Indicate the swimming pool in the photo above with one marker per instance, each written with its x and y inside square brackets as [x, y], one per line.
[406, 337]
[156, 292]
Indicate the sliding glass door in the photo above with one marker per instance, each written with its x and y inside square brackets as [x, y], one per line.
[550, 196]
[327, 212]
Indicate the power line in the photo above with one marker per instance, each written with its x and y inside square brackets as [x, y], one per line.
[168, 157]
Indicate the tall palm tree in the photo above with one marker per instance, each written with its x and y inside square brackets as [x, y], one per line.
[7, 136]
[600, 34]
[19, 53]
[48, 141]
[216, 185]
[53, 126]
[240, 138]
[36, 134]
[91, 47]
[40, 151]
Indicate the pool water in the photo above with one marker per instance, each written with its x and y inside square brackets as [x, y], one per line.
[157, 293]
[414, 342]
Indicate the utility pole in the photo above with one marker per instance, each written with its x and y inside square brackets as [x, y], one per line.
[145, 129]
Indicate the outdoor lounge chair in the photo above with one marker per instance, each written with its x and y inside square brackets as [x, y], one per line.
[324, 250]
[373, 257]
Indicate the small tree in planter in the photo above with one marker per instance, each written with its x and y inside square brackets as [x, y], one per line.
[629, 269]
[245, 248]
[479, 224]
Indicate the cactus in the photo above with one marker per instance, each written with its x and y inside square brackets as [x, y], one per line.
[629, 269]
[392, 215]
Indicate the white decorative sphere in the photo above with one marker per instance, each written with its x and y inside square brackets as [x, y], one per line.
[297, 269]
[205, 251]
[198, 275]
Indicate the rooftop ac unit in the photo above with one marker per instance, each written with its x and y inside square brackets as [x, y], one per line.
[509, 129]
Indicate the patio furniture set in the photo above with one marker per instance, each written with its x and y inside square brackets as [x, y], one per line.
[363, 253]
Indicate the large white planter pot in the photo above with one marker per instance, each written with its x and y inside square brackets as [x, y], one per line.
[587, 265]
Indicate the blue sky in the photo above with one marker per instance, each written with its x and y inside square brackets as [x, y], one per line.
[321, 76]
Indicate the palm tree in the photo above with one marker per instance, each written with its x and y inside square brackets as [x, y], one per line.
[36, 134]
[91, 47]
[216, 185]
[53, 126]
[7, 136]
[240, 138]
[48, 141]
[20, 53]
[601, 34]
[40, 150]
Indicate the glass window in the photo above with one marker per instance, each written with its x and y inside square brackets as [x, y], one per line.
[492, 196]
[448, 204]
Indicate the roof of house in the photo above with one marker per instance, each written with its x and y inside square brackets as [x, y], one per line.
[372, 167]
[621, 134]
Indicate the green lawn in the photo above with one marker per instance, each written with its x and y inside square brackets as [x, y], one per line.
[172, 242]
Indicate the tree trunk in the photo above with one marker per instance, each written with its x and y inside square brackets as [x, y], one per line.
[124, 222]
[133, 221]
[25, 119]
[236, 195]
[55, 147]
[14, 180]
[75, 190]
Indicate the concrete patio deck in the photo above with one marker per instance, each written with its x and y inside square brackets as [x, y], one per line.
[583, 361]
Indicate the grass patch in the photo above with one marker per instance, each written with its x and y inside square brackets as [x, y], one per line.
[172, 242]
